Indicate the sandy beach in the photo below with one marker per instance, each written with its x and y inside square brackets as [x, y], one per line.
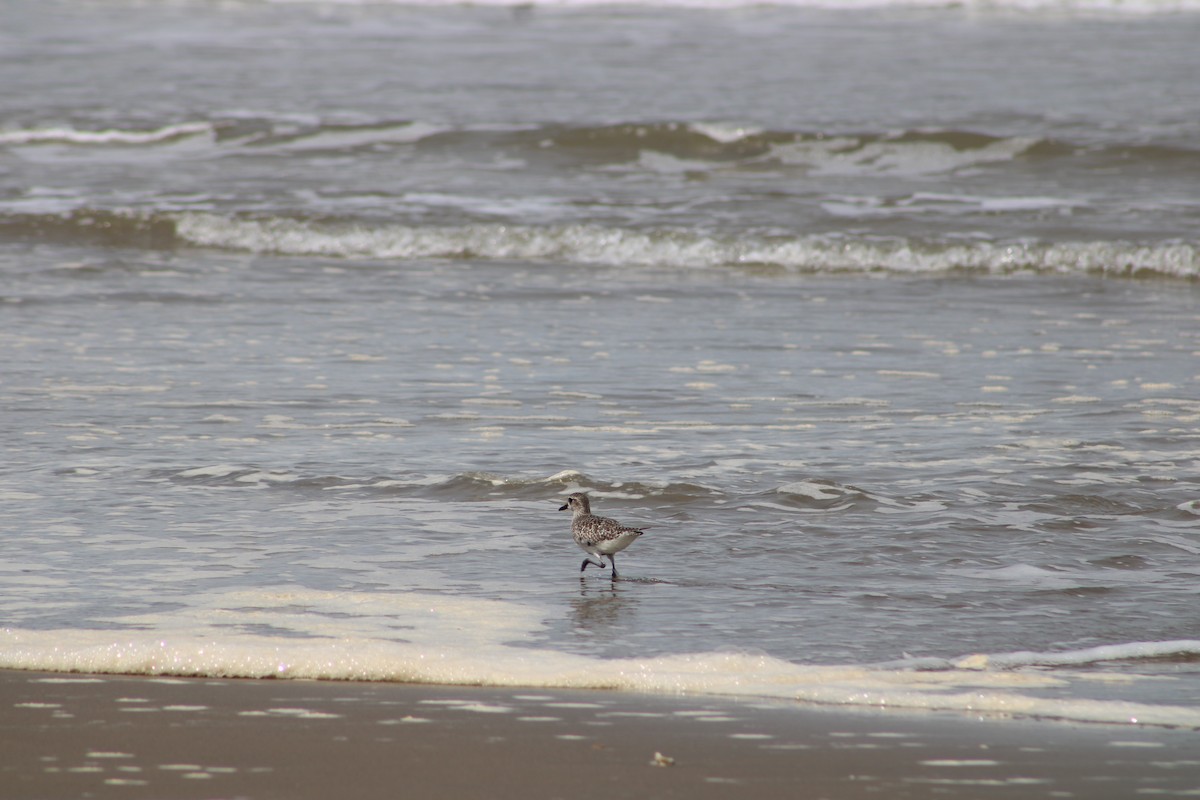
[137, 737]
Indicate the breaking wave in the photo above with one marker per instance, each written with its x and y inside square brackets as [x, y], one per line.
[665, 247]
[67, 135]
[593, 244]
[916, 150]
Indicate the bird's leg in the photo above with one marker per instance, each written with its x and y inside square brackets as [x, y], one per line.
[613, 559]
[586, 563]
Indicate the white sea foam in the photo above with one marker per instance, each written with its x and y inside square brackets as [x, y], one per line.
[344, 137]
[74, 136]
[1133, 651]
[810, 489]
[216, 471]
[592, 244]
[432, 638]
[942, 205]
[724, 132]
[848, 155]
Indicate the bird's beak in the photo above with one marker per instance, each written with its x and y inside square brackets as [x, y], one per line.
[563, 507]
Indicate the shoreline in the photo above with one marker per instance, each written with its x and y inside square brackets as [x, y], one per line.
[141, 737]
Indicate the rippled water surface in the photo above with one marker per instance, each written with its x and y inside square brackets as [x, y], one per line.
[834, 468]
[298, 359]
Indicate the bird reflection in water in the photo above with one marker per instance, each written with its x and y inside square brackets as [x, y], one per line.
[601, 606]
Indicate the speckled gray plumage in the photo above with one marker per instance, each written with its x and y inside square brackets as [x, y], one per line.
[595, 535]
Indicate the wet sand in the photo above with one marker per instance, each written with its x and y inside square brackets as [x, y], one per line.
[138, 737]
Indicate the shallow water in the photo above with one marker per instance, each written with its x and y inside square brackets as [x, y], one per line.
[849, 480]
[295, 378]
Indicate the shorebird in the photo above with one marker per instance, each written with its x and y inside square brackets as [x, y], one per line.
[597, 536]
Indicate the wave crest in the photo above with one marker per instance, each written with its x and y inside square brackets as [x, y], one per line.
[67, 135]
[668, 247]
[591, 244]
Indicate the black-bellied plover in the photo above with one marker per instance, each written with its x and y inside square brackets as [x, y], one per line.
[597, 536]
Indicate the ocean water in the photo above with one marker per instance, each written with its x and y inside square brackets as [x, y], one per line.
[886, 324]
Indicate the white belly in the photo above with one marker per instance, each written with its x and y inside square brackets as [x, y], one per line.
[606, 547]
